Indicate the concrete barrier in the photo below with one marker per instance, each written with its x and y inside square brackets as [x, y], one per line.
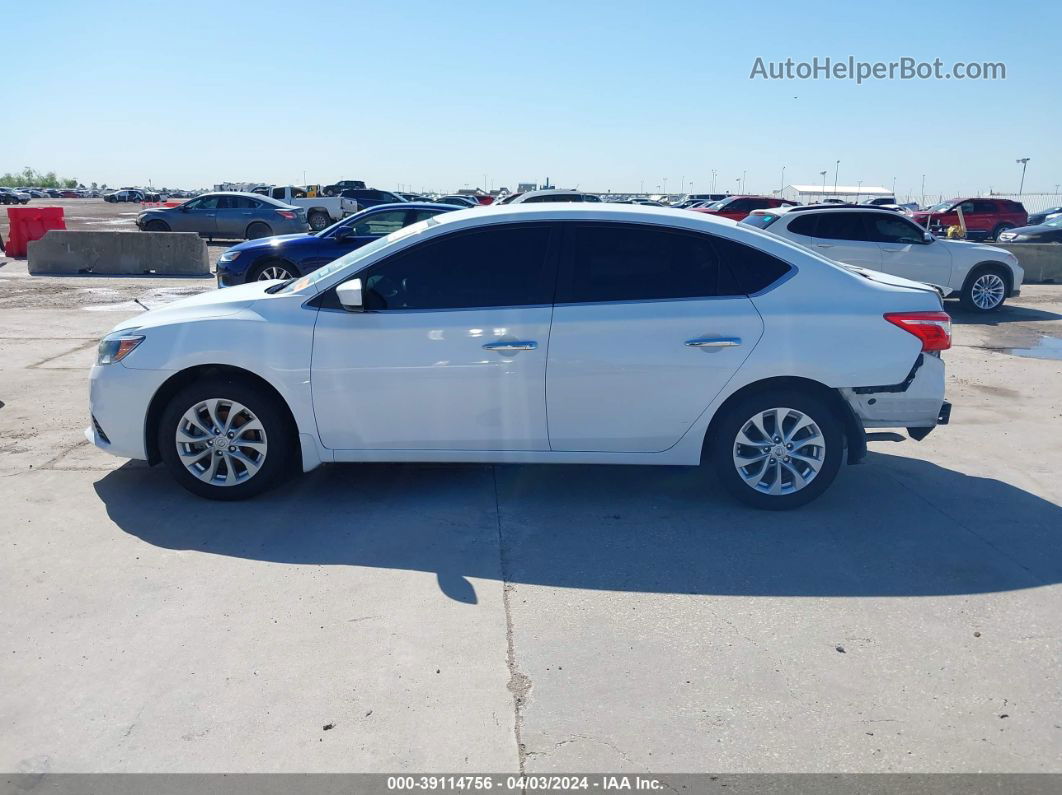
[1042, 261]
[120, 253]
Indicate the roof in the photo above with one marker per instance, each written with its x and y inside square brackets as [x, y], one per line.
[844, 190]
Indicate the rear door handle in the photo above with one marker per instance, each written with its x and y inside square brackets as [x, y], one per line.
[824, 245]
[713, 342]
[528, 345]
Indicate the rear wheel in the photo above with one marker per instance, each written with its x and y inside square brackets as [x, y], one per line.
[777, 450]
[223, 439]
[156, 226]
[318, 220]
[985, 290]
[257, 230]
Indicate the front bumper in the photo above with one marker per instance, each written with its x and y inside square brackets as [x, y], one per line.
[118, 401]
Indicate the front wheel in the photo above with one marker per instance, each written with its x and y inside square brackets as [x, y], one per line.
[1000, 229]
[156, 226]
[225, 439]
[779, 450]
[273, 269]
[984, 291]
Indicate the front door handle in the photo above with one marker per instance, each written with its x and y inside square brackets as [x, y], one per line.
[824, 245]
[528, 345]
[713, 342]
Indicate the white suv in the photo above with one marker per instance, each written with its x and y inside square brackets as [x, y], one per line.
[549, 333]
[885, 240]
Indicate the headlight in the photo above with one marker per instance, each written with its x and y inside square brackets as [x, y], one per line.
[229, 256]
[117, 345]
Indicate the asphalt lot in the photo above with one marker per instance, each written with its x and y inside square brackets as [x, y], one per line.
[472, 618]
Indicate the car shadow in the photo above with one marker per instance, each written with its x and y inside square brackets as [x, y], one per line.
[1008, 313]
[893, 526]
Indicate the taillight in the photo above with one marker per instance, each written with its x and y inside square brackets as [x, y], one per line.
[287, 214]
[933, 328]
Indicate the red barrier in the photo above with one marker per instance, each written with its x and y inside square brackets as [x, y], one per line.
[30, 223]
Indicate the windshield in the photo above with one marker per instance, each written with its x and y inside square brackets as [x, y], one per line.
[1056, 221]
[717, 205]
[355, 256]
[942, 207]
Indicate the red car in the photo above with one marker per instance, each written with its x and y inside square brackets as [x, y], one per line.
[69, 194]
[737, 207]
[985, 218]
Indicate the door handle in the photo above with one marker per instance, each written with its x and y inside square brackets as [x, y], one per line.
[713, 342]
[528, 345]
[824, 245]
[893, 250]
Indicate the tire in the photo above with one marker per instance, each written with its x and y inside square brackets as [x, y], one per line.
[318, 220]
[198, 466]
[985, 289]
[156, 226]
[272, 269]
[817, 436]
[258, 230]
[1000, 229]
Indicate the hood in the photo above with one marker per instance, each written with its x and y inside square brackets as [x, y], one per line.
[209, 304]
[970, 248]
[263, 243]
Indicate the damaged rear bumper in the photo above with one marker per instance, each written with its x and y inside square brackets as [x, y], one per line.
[916, 403]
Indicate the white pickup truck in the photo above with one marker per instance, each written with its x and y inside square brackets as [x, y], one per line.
[320, 210]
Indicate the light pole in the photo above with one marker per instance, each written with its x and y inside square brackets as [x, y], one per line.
[923, 190]
[894, 187]
[836, 169]
[859, 189]
[665, 184]
[823, 173]
[743, 173]
[1024, 162]
[713, 180]
[781, 187]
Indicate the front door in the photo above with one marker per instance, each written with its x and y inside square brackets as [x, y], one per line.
[450, 353]
[649, 326]
[906, 253]
[198, 215]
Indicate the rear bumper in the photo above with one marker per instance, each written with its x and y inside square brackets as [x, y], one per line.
[916, 402]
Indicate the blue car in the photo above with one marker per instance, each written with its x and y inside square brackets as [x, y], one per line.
[288, 256]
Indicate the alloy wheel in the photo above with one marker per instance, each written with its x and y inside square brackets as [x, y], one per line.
[271, 272]
[988, 291]
[221, 442]
[779, 451]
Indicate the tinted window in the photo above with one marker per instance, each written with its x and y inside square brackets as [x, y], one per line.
[420, 215]
[737, 206]
[753, 269]
[557, 197]
[982, 207]
[760, 220]
[492, 266]
[381, 223]
[614, 262]
[893, 229]
[803, 225]
[589, 197]
[204, 203]
[841, 226]
[242, 202]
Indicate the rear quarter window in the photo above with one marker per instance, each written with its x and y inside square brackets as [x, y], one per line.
[753, 269]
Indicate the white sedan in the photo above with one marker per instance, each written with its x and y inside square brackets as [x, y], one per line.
[981, 276]
[550, 333]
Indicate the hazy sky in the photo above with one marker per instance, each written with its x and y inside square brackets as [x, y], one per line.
[600, 95]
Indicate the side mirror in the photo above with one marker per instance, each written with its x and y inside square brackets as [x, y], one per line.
[349, 295]
[928, 237]
[343, 233]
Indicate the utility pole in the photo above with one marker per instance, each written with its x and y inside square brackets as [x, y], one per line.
[1024, 161]
[836, 169]
[713, 180]
[781, 187]
[823, 173]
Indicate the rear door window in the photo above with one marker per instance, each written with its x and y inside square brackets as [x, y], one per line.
[842, 226]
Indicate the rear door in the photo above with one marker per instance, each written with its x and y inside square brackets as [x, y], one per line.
[844, 235]
[648, 327]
